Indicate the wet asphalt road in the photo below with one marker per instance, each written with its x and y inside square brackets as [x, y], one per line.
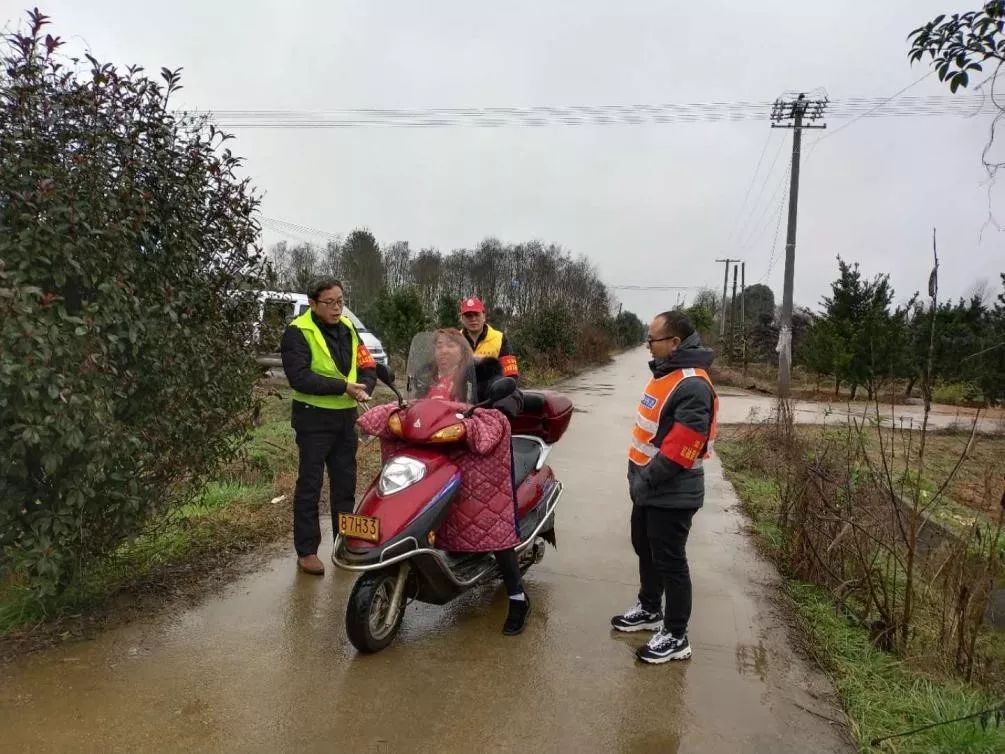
[264, 665]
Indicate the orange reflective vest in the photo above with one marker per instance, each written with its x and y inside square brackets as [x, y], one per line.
[690, 448]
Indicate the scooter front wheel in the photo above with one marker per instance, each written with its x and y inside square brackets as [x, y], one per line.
[376, 609]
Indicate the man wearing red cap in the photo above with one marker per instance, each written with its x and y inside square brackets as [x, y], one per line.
[484, 339]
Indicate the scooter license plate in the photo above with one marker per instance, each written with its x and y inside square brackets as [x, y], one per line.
[359, 527]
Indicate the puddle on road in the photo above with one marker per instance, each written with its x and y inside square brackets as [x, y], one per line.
[589, 389]
[752, 660]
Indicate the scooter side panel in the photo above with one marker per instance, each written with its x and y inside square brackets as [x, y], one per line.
[529, 494]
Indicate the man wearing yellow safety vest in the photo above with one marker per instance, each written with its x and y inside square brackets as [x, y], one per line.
[673, 433]
[484, 339]
[330, 371]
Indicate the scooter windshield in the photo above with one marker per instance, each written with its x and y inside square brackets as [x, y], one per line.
[441, 367]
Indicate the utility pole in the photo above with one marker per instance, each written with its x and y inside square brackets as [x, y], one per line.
[796, 114]
[743, 291]
[743, 314]
[732, 318]
[725, 285]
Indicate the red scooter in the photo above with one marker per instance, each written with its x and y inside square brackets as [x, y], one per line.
[390, 539]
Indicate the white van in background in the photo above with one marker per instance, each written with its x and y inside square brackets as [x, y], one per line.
[277, 309]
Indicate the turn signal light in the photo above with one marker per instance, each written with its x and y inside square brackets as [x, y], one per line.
[394, 424]
[453, 433]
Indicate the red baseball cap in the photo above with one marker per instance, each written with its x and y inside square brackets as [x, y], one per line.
[473, 304]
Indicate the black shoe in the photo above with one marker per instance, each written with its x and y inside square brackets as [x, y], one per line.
[664, 647]
[516, 619]
[637, 619]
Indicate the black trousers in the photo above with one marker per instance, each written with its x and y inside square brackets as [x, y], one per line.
[659, 536]
[334, 448]
[509, 564]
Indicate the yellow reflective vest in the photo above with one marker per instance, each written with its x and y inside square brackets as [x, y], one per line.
[323, 364]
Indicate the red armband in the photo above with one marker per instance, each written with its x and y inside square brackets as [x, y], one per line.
[364, 360]
[508, 364]
[683, 445]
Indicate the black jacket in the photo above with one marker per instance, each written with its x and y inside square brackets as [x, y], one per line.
[664, 483]
[296, 354]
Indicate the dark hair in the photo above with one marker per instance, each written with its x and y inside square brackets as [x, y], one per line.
[317, 287]
[676, 324]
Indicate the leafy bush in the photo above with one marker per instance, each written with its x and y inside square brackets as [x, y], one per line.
[396, 318]
[549, 332]
[124, 236]
[957, 394]
[593, 345]
[628, 330]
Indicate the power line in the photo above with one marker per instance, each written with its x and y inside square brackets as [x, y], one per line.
[755, 230]
[753, 178]
[656, 287]
[872, 112]
[745, 226]
[774, 242]
[853, 108]
[285, 225]
[873, 109]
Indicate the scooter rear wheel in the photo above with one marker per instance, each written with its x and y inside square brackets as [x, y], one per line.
[367, 623]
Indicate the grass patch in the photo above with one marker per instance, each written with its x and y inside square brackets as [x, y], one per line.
[881, 694]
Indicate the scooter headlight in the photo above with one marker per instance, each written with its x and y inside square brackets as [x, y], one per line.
[400, 473]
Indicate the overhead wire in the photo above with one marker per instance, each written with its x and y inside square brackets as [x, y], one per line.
[852, 108]
[753, 179]
[746, 226]
[872, 111]
[774, 242]
[764, 221]
[304, 230]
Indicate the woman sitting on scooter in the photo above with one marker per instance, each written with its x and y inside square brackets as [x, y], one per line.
[450, 374]
[449, 378]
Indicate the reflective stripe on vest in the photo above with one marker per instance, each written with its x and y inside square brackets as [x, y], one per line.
[323, 364]
[654, 399]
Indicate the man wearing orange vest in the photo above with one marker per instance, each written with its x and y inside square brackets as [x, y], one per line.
[674, 430]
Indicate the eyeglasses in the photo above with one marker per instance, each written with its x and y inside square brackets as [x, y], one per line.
[650, 340]
[332, 302]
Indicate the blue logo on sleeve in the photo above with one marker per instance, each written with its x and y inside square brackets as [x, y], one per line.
[648, 401]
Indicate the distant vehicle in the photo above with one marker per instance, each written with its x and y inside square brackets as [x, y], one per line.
[276, 309]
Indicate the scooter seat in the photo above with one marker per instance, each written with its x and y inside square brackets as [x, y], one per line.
[525, 457]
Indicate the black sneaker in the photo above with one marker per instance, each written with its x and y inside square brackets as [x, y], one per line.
[637, 619]
[664, 647]
[516, 619]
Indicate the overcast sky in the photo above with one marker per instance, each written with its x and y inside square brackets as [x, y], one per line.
[650, 204]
